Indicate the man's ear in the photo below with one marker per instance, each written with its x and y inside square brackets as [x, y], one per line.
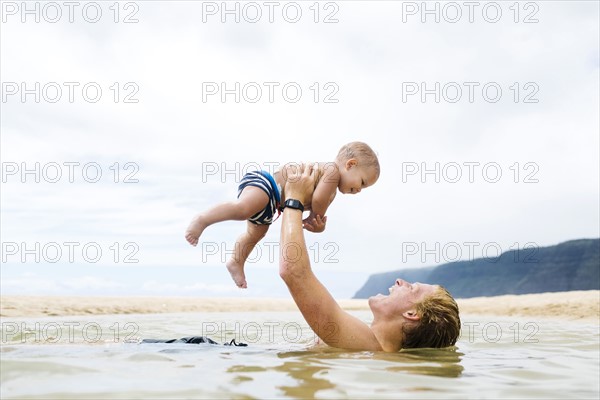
[353, 162]
[411, 315]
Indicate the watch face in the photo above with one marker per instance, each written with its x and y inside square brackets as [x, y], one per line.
[295, 204]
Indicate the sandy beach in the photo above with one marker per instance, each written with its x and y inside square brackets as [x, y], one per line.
[575, 305]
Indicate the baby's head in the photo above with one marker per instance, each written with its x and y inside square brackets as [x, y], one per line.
[358, 166]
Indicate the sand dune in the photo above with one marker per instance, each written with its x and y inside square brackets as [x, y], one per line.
[576, 305]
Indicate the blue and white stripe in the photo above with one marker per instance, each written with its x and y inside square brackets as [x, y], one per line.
[264, 181]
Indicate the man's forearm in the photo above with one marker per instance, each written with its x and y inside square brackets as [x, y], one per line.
[293, 258]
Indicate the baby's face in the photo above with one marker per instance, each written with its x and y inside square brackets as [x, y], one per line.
[354, 178]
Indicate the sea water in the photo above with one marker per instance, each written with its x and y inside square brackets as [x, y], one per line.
[102, 357]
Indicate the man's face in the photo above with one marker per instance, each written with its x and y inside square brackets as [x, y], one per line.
[403, 297]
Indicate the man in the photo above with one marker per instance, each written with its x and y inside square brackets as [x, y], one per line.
[413, 315]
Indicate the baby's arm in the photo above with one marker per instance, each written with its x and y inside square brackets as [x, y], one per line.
[322, 197]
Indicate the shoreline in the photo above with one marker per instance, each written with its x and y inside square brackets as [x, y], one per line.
[581, 306]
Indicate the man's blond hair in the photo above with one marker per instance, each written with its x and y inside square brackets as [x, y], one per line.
[439, 323]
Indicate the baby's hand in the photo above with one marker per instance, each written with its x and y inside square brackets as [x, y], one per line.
[315, 224]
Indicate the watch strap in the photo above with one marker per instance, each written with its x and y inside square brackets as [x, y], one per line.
[293, 203]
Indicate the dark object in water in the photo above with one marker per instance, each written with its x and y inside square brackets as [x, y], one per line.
[193, 340]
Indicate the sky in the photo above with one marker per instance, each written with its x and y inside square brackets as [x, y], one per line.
[121, 121]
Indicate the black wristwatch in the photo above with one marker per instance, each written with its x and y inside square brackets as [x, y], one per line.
[293, 203]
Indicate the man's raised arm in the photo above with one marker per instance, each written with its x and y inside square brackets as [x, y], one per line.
[333, 325]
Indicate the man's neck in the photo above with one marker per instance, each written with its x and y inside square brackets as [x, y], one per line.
[388, 334]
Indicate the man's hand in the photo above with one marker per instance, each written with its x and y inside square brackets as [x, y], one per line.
[315, 224]
[300, 181]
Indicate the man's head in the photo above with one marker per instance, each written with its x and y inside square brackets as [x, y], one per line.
[358, 166]
[427, 315]
[438, 324]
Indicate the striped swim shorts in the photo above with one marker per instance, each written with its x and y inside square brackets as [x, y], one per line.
[264, 181]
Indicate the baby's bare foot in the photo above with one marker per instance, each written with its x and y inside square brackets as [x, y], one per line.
[237, 273]
[194, 230]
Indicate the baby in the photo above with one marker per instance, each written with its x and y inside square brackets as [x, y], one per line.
[260, 196]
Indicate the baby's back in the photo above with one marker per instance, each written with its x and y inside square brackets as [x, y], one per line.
[324, 170]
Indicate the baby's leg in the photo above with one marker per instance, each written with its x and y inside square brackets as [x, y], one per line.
[243, 247]
[251, 201]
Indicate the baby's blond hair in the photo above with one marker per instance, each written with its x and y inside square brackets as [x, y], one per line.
[360, 151]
